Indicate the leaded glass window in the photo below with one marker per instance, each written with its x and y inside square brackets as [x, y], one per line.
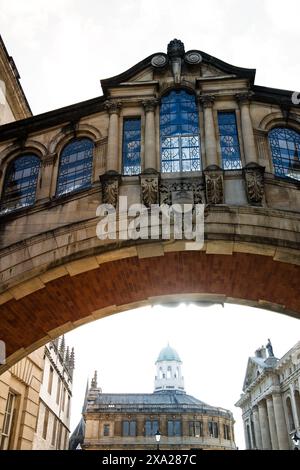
[179, 133]
[229, 141]
[285, 148]
[20, 184]
[75, 167]
[131, 146]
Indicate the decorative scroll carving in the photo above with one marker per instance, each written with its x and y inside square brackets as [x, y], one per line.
[214, 184]
[207, 101]
[244, 97]
[150, 105]
[254, 178]
[110, 183]
[112, 106]
[149, 188]
[175, 57]
[187, 191]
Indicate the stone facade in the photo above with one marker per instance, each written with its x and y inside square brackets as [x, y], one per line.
[250, 211]
[270, 401]
[35, 400]
[130, 421]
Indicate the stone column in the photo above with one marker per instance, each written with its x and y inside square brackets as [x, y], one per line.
[257, 430]
[150, 143]
[282, 434]
[207, 102]
[294, 407]
[272, 424]
[264, 426]
[247, 128]
[112, 163]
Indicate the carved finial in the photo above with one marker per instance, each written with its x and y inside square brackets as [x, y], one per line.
[176, 48]
[94, 382]
[72, 360]
[62, 346]
[67, 357]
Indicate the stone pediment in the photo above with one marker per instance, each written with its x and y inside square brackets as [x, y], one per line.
[252, 372]
[177, 63]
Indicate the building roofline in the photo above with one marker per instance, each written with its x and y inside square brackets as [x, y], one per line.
[15, 71]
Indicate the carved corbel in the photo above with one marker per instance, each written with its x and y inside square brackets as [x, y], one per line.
[110, 183]
[254, 179]
[149, 181]
[214, 184]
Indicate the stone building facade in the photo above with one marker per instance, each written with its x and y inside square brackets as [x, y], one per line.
[35, 400]
[114, 421]
[179, 126]
[270, 401]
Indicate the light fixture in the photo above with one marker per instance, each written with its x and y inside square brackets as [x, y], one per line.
[157, 438]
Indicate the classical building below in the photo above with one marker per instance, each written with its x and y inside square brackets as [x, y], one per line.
[132, 421]
[271, 399]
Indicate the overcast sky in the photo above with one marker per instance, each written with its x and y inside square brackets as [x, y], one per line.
[62, 49]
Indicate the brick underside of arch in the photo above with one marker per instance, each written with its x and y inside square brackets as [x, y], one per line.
[248, 278]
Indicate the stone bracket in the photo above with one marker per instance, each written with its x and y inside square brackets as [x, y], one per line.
[149, 181]
[110, 183]
[214, 184]
[254, 179]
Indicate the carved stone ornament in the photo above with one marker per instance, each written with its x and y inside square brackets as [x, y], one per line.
[207, 101]
[112, 106]
[214, 184]
[184, 191]
[159, 60]
[149, 188]
[193, 58]
[150, 105]
[110, 183]
[254, 178]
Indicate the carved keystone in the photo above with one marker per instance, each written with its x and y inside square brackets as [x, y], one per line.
[214, 184]
[254, 178]
[110, 183]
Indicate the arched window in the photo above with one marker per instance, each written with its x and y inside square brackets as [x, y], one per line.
[20, 183]
[75, 167]
[285, 148]
[169, 372]
[179, 132]
[290, 414]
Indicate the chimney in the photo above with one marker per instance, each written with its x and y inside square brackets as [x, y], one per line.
[261, 352]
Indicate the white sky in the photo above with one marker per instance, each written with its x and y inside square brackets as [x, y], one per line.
[214, 344]
[62, 48]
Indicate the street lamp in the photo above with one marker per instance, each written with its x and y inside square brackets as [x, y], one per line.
[157, 437]
[296, 440]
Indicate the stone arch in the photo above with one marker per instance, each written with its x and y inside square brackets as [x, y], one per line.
[15, 150]
[60, 140]
[278, 120]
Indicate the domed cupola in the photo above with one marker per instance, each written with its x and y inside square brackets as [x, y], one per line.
[168, 371]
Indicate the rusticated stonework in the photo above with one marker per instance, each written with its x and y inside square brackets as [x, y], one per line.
[254, 178]
[110, 183]
[214, 185]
